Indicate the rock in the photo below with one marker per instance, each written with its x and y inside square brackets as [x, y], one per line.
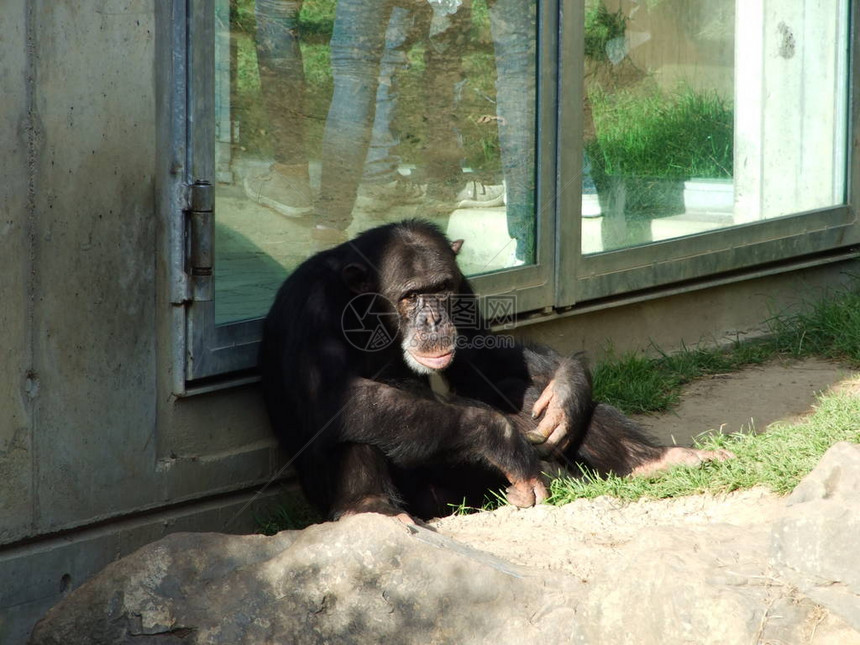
[815, 546]
[687, 570]
[365, 579]
[747, 567]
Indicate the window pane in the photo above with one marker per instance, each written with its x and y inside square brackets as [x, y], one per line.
[336, 116]
[708, 114]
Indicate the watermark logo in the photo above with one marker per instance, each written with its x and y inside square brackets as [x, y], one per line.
[501, 310]
[369, 322]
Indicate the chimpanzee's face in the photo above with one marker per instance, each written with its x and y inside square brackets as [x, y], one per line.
[428, 335]
[422, 282]
[417, 276]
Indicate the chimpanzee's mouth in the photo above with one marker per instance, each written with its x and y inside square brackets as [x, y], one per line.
[434, 361]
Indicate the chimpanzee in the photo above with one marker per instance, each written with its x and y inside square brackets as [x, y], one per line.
[349, 346]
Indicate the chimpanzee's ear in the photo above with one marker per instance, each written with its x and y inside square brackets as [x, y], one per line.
[456, 245]
[357, 277]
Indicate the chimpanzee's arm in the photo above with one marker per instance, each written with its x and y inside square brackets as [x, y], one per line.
[403, 419]
[411, 429]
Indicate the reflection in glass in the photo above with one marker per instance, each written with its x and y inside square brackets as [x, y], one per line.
[707, 114]
[333, 116]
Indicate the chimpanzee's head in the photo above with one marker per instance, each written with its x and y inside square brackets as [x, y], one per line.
[417, 273]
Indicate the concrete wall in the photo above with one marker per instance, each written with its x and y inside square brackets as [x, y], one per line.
[88, 428]
[16, 197]
[96, 455]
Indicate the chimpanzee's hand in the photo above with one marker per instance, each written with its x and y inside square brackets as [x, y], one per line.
[552, 433]
[508, 449]
[526, 493]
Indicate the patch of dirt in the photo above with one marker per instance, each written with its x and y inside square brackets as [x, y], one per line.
[587, 533]
[750, 399]
[584, 537]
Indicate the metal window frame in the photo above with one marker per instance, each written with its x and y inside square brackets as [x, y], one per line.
[184, 178]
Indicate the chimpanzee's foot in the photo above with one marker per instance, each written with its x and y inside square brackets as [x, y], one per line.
[375, 504]
[677, 456]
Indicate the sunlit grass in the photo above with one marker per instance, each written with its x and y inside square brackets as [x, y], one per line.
[776, 459]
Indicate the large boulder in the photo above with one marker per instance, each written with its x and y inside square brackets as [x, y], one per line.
[747, 567]
[366, 578]
[816, 544]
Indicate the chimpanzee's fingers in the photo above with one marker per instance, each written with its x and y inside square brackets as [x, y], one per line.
[553, 424]
[520, 495]
[543, 400]
[535, 438]
[526, 493]
[557, 439]
[539, 435]
[553, 417]
[540, 492]
[558, 434]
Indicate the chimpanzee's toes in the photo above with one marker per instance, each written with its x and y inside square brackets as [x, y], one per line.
[677, 456]
[375, 504]
[405, 518]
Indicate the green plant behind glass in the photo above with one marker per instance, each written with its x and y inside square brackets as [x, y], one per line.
[601, 27]
[677, 136]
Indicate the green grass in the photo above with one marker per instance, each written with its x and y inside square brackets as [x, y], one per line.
[777, 459]
[636, 383]
[492, 500]
[290, 513]
[830, 329]
[660, 134]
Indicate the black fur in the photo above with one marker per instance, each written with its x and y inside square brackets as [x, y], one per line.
[364, 428]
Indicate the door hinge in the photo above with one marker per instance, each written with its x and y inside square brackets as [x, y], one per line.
[200, 236]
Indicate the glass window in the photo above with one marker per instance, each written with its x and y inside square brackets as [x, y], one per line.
[333, 116]
[710, 140]
[702, 115]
